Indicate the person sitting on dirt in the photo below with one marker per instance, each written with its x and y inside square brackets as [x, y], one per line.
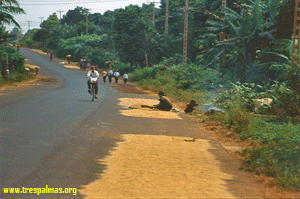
[190, 107]
[93, 73]
[164, 103]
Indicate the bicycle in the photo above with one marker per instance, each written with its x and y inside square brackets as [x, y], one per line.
[93, 82]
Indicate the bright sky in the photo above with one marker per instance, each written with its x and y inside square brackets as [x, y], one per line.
[43, 8]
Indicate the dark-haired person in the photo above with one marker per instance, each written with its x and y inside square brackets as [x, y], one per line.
[125, 77]
[116, 74]
[190, 107]
[164, 103]
[93, 74]
[110, 75]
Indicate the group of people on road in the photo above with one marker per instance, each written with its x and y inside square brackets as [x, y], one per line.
[110, 74]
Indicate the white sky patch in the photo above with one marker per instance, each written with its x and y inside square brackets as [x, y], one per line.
[43, 8]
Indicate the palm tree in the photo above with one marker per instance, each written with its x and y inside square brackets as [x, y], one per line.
[7, 9]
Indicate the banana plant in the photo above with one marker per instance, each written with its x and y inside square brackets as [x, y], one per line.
[251, 33]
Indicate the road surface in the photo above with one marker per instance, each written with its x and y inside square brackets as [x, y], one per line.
[54, 135]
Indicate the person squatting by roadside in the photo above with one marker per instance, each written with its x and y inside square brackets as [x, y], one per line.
[92, 74]
[190, 107]
[110, 75]
[116, 74]
[125, 77]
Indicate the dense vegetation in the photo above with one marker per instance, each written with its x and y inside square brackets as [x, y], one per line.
[245, 46]
[10, 58]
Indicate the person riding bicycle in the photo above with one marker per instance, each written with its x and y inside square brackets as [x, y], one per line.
[18, 47]
[93, 74]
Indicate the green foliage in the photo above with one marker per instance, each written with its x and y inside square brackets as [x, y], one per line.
[145, 73]
[8, 8]
[90, 47]
[237, 117]
[243, 93]
[249, 46]
[50, 23]
[16, 77]
[121, 67]
[73, 17]
[278, 154]
[15, 59]
[130, 33]
[286, 100]
[30, 43]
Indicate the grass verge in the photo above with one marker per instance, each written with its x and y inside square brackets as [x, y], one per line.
[276, 153]
[14, 77]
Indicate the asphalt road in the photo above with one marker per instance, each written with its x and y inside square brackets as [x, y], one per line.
[53, 134]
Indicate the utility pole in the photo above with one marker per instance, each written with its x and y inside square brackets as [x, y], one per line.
[222, 38]
[18, 36]
[29, 28]
[153, 17]
[153, 14]
[60, 11]
[186, 20]
[167, 18]
[41, 19]
[29, 24]
[86, 26]
[296, 33]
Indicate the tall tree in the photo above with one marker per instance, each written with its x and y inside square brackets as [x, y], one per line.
[50, 23]
[73, 17]
[130, 34]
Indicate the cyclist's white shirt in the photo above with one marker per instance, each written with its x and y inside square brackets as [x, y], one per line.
[93, 75]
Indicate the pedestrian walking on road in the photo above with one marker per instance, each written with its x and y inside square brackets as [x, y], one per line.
[125, 77]
[68, 58]
[116, 74]
[51, 55]
[110, 75]
[104, 74]
[84, 64]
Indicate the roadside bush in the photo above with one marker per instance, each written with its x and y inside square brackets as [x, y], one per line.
[278, 155]
[145, 73]
[29, 43]
[16, 77]
[286, 101]
[122, 67]
[15, 59]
